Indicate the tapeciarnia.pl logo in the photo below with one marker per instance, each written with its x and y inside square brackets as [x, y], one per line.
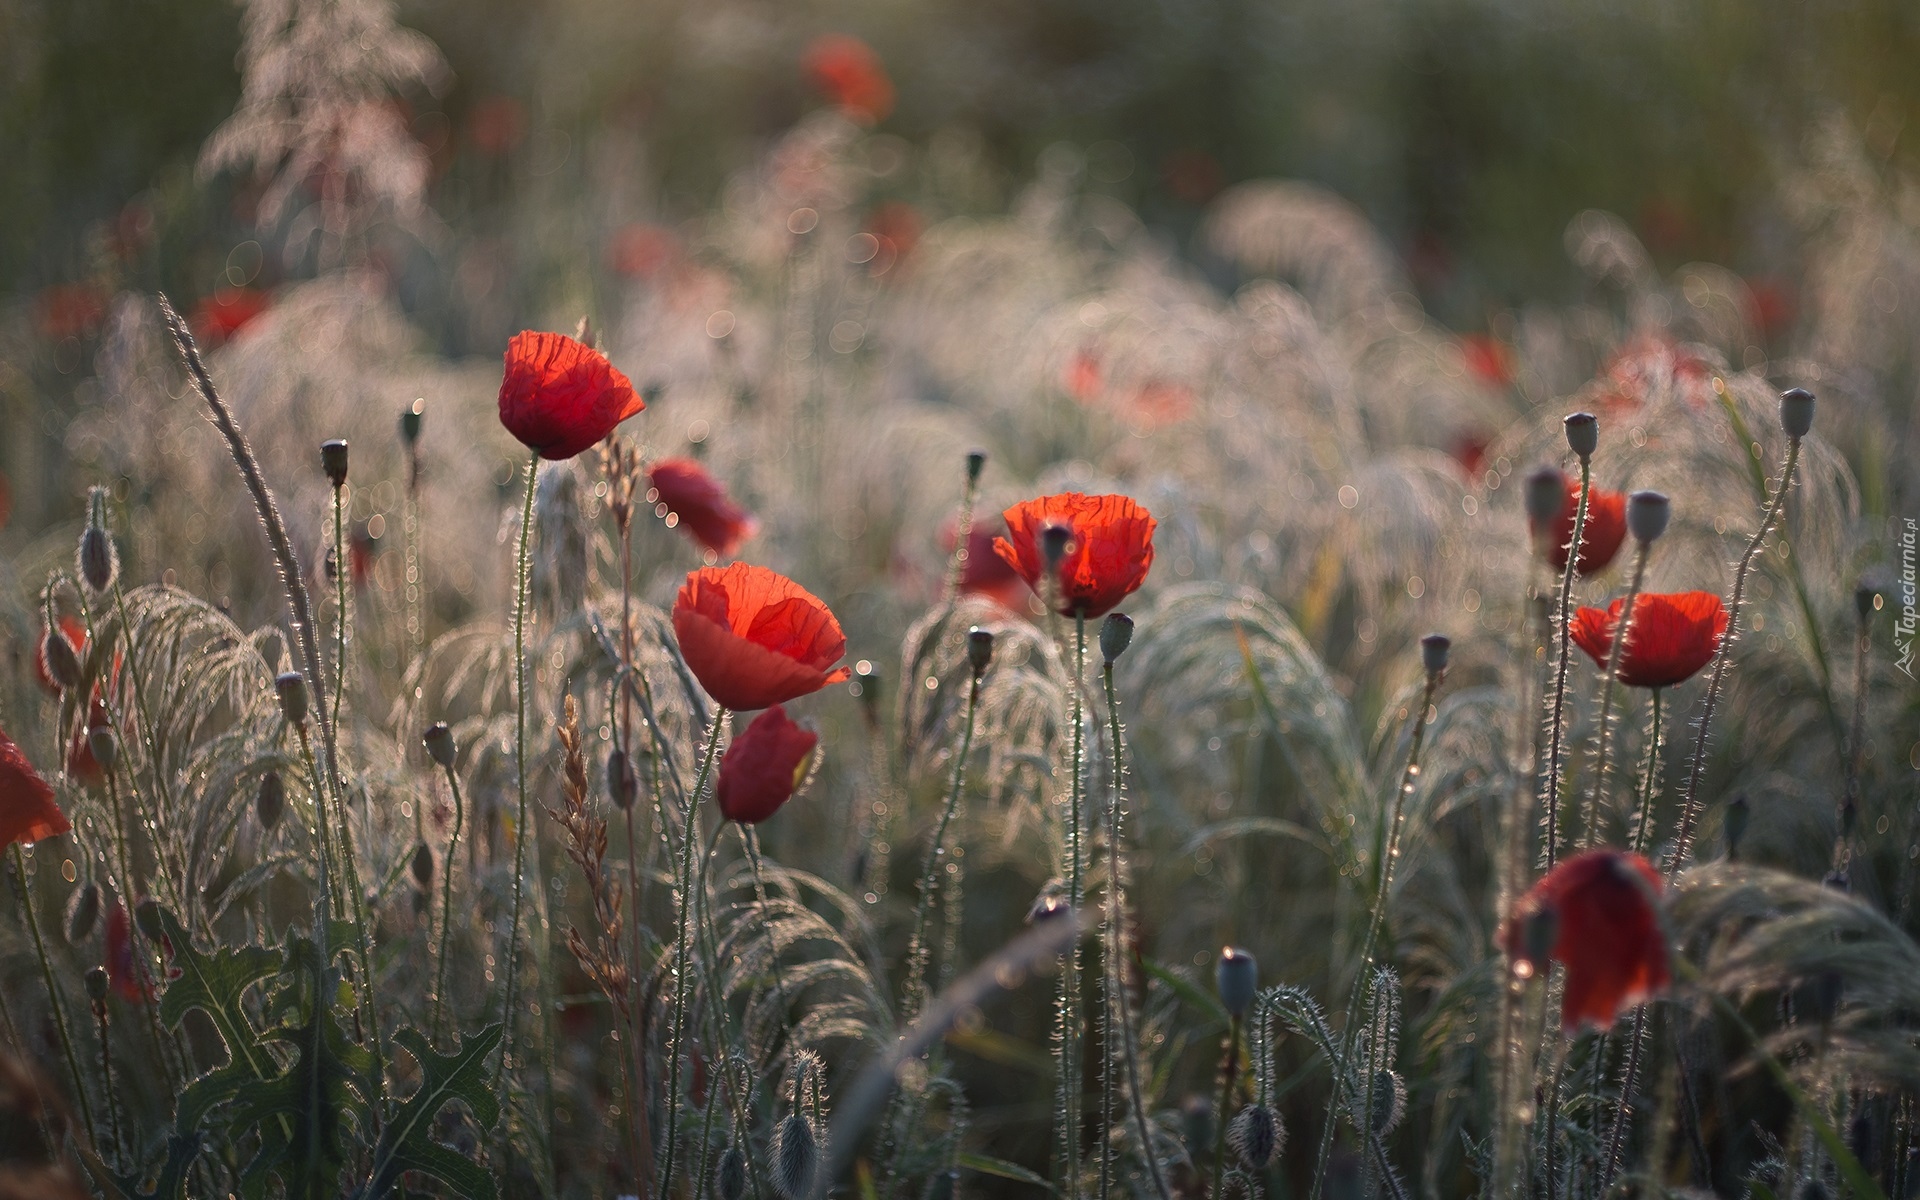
[1908, 619]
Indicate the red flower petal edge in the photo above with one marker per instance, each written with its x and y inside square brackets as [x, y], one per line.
[1672, 636]
[754, 638]
[560, 397]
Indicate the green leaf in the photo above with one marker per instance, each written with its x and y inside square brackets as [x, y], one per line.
[215, 984]
[406, 1146]
[1000, 1168]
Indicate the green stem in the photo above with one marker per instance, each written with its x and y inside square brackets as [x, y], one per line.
[1590, 820]
[1228, 1070]
[521, 833]
[676, 1031]
[1645, 823]
[54, 999]
[446, 903]
[1067, 1166]
[918, 952]
[1560, 669]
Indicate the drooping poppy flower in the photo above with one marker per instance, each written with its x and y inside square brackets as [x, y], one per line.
[1109, 548]
[1606, 529]
[683, 489]
[1607, 934]
[123, 973]
[225, 313]
[763, 766]
[754, 638]
[1672, 636]
[560, 397]
[985, 573]
[75, 632]
[846, 71]
[27, 811]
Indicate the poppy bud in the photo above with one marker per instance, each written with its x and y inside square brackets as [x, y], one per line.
[1738, 812]
[96, 559]
[1116, 634]
[976, 463]
[1236, 976]
[438, 740]
[422, 865]
[1546, 496]
[1255, 1136]
[97, 985]
[1054, 540]
[1389, 1101]
[271, 800]
[1647, 515]
[292, 689]
[410, 423]
[1865, 598]
[1583, 434]
[796, 1156]
[1433, 652]
[979, 650]
[763, 766]
[83, 912]
[1796, 412]
[146, 918]
[623, 782]
[104, 746]
[730, 1176]
[1538, 932]
[333, 460]
[63, 662]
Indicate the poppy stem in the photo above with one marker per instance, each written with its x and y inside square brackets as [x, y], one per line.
[1856, 746]
[106, 1072]
[1229, 1069]
[1690, 806]
[1644, 820]
[1067, 1166]
[676, 1030]
[55, 1000]
[919, 954]
[1560, 668]
[521, 833]
[446, 904]
[1590, 820]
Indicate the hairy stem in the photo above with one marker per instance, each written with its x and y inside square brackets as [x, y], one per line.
[1560, 667]
[521, 833]
[55, 1000]
[446, 903]
[918, 952]
[1590, 820]
[1857, 748]
[1067, 1163]
[682, 969]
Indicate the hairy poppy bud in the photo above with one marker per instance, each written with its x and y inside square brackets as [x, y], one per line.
[1054, 540]
[97, 562]
[979, 650]
[104, 746]
[796, 1156]
[63, 662]
[1116, 634]
[410, 422]
[1866, 598]
[1583, 434]
[1738, 812]
[623, 782]
[1389, 1101]
[438, 740]
[976, 463]
[1236, 976]
[97, 985]
[333, 460]
[292, 689]
[83, 912]
[146, 918]
[1546, 496]
[1434, 649]
[730, 1176]
[271, 800]
[422, 865]
[1647, 515]
[1256, 1136]
[1796, 412]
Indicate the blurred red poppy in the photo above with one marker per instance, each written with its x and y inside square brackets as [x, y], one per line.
[1193, 176]
[496, 125]
[69, 310]
[898, 225]
[1161, 402]
[846, 71]
[1109, 549]
[225, 313]
[683, 488]
[763, 766]
[985, 573]
[1606, 529]
[560, 397]
[1489, 359]
[75, 633]
[754, 638]
[1083, 379]
[27, 811]
[1642, 369]
[1608, 934]
[641, 251]
[1470, 451]
[123, 972]
[1671, 638]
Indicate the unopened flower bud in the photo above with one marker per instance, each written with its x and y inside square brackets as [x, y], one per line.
[146, 918]
[1116, 634]
[1583, 434]
[97, 985]
[623, 782]
[291, 687]
[1054, 540]
[979, 650]
[270, 800]
[104, 746]
[1389, 1101]
[796, 1156]
[976, 463]
[1796, 412]
[1546, 495]
[83, 912]
[96, 558]
[1735, 825]
[1434, 649]
[410, 423]
[730, 1176]
[1256, 1136]
[333, 460]
[1647, 515]
[1236, 976]
[422, 865]
[63, 662]
[1866, 598]
[438, 740]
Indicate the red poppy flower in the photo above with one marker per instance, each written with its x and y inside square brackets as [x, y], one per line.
[69, 310]
[1608, 934]
[763, 766]
[560, 397]
[496, 125]
[1489, 358]
[75, 632]
[898, 225]
[1162, 402]
[754, 638]
[27, 811]
[1108, 553]
[1606, 529]
[683, 488]
[223, 314]
[122, 971]
[846, 71]
[1671, 638]
[1470, 451]
[641, 251]
[1083, 379]
[985, 573]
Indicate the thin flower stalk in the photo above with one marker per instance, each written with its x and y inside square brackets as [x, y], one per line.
[1229, 1071]
[682, 968]
[446, 902]
[1590, 820]
[1556, 722]
[1856, 750]
[1067, 1156]
[509, 1011]
[918, 951]
[106, 1073]
[55, 999]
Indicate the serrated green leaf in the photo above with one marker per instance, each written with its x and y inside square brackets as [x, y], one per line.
[215, 984]
[405, 1145]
